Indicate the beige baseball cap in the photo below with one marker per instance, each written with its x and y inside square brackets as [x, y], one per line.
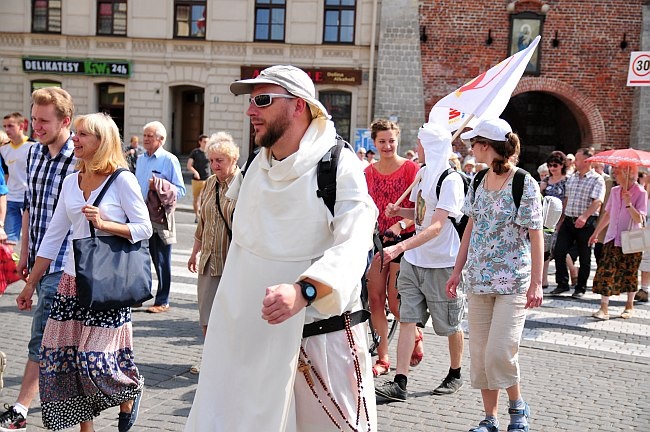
[292, 79]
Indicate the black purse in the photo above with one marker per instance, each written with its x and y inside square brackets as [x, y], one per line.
[111, 272]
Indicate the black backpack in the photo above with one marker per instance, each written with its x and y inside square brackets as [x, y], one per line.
[517, 191]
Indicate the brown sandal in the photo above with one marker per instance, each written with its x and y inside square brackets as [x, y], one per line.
[416, 357]
[383, 364]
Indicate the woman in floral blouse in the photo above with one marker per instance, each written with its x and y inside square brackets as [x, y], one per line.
[501, 255]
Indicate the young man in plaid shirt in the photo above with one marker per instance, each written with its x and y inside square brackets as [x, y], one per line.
[49, 162]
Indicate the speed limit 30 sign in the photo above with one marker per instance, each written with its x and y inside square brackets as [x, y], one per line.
[639, 72]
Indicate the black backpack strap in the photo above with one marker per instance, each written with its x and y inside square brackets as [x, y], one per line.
[326, 174]
[110, 180]
[442, 178]
[478, 177]
[249, 161]
[518, 185]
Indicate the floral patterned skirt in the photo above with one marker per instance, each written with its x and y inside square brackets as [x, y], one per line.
[86, 360]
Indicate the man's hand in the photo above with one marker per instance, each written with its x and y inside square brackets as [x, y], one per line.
[390, 253]
[392, 210]
[24, 299]
[282, 302]
[21, 267]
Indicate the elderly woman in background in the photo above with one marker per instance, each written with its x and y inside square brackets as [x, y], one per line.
[618, 272]
[213, 232]
[86, 357]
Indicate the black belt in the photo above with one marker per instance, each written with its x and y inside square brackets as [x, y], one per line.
[335, 323]
[574, 219]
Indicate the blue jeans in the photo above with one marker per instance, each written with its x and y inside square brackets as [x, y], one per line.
[46, 290]
[13, 221]
[161, 257]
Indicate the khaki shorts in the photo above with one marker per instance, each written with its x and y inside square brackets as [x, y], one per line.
[197, 187]
[422, 295]
[496, 323]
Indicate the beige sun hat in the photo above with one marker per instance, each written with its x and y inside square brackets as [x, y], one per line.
[292, 79]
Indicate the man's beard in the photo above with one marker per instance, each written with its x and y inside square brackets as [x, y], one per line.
[274, 132]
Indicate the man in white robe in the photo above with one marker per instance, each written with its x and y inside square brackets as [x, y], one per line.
[283, 233]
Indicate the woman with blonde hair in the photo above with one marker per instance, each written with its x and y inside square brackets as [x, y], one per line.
[86, 357]
[213, 232]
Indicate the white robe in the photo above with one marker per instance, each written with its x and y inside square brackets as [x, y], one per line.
[282, 232]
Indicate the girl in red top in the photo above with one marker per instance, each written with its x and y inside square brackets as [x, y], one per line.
[387, 179]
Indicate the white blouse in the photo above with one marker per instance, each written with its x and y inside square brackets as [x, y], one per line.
[122, 201]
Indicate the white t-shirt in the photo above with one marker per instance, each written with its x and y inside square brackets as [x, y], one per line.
[122, 201]
[440, 251]
[15, 157]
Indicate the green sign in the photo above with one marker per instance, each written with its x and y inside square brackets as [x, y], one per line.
[115, 68]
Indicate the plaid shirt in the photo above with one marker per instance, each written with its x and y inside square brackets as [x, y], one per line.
[581, 190]
[45, 176]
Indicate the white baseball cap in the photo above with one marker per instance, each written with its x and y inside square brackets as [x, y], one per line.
[493, 129]
[292, 79]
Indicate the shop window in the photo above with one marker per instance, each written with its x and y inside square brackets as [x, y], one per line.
[339, 21]
[111, 102]
[189, 19]
[111, 17]
[269, 20]
[46, 16]
[339, 106]
[44, 83]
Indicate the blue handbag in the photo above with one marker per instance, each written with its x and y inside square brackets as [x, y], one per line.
[111, 272]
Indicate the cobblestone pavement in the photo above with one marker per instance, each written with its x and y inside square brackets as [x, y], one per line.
[578, 374]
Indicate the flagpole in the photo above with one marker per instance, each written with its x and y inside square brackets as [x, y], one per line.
[418, 177]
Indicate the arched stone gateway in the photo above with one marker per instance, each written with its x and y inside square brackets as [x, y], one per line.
[549, 115]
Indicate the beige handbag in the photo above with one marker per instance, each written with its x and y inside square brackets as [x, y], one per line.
[636, 240]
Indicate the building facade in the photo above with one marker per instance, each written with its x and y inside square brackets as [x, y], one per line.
[173, 61]
[574, 92]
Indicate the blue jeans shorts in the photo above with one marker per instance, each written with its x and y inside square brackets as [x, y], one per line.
[46, 290]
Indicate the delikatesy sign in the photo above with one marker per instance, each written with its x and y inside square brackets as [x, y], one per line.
[115, 68]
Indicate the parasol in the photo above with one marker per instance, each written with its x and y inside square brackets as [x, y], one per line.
[619, 157]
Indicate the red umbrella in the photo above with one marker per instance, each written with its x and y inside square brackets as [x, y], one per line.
[618, 157]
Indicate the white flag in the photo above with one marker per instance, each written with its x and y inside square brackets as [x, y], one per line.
[450, 118]
[487, 95]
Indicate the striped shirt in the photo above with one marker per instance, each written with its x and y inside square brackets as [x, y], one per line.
[581, 190]
[45, 176]
[211, 230]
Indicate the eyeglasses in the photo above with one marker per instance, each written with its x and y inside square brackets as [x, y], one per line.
[264, 100]
[553, 165]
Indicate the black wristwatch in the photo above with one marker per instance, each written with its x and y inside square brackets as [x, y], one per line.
[308, 291]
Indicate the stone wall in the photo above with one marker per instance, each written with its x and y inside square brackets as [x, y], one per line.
[399, 71]
[640, 127]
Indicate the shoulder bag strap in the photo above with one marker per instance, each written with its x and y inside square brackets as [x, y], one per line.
[110, 180]
[218, 204]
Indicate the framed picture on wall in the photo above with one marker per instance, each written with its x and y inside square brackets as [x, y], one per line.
[524, 28]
